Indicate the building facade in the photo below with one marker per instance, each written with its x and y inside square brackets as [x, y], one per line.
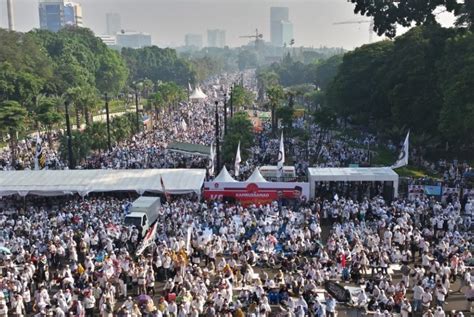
[193, 41]
[216, 38]
[51, 15]
[286, 33]
[133, 39]
[73, 14]
[114, 23]
[281, 29]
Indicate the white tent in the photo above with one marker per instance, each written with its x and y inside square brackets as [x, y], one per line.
[83, 182]
[224, 177]
[256, 177]
[353, 174]
[197, 94]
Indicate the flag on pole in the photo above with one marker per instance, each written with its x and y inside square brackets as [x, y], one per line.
[403, 157]
[188, 239]
[163, 188]
[281, 158]
[40, 159]
[184, 126]
[237, 161]
[147, 240]
[211, 160]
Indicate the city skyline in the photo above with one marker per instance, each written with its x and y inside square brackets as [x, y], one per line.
[169, 21]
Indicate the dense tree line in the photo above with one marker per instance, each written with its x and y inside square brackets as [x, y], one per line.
[42, 71]
[420, 81]
[291, 72]
[157, 64]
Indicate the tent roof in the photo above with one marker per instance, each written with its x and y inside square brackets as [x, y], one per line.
[83, 182]
[256, 177]
[189, 148]
[197, 94]
[354, 174]
[224, 177]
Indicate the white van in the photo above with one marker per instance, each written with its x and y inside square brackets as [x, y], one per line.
[143, 213]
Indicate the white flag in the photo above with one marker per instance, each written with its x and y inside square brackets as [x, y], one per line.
[211, 160]
[39, 159]
[403, 157]
[281, 158]
[188, 239]
[336, 197]
[184, 126]
[237, 161]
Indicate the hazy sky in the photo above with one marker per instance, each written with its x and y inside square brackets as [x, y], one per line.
[169, 20]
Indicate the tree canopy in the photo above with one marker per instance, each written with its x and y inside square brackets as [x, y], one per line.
[157, 64]
[388, 14]
[421, 81]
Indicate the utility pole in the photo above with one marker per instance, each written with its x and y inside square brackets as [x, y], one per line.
[108, 122]
[225, 114]
[11, 22]
[70, 158]
[218, 151]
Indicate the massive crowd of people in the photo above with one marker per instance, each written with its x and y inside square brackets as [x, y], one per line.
[75, 256]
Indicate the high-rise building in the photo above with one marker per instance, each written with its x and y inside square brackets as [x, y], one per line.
[193, 41]
[133, 39]
[73, 14]
[216, 38]
[281, 29]
[51, 14]
[286, 32]
[114, 23]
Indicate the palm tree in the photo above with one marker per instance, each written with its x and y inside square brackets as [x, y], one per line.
[275, 95]
[12, 120]
[48, 116]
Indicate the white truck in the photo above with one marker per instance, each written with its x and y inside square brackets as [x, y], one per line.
[143, 213]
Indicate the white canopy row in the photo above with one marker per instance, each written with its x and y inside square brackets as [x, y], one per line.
[353, 174]
[83, 182]
[225, 177]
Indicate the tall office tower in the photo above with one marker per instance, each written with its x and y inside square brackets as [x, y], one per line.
[51, 14]
[281, 29]
[193, 40]
[114, 23]
[216, 38]
[73, 14]
[286, 32]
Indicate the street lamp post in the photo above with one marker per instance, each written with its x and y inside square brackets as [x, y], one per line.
[218, 151]
[69, 138]
[136, 108]
[225, 114]
[232, 102]
[108, 121]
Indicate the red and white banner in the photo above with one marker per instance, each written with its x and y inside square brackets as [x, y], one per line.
[256, 193]
[147, 240]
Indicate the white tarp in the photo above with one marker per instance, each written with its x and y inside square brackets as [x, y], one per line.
[83, 182]
[353, 174]
[256, 177]
[197, 94]
[224, 177]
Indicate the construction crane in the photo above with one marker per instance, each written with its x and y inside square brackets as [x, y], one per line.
[257, 37]
[371, 26]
